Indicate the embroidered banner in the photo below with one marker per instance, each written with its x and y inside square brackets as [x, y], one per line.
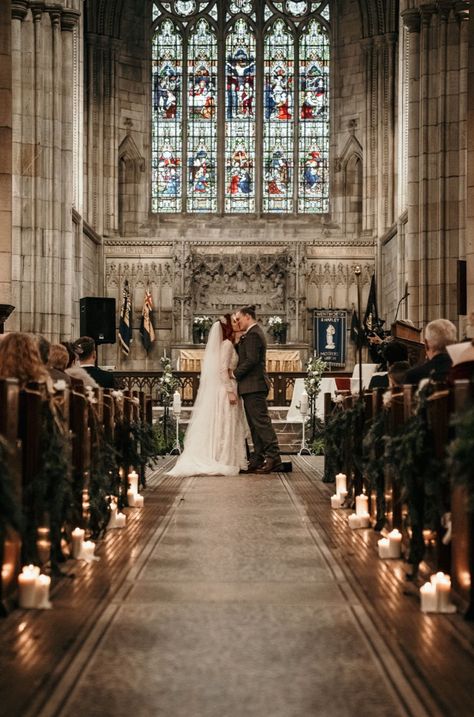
[330, 336]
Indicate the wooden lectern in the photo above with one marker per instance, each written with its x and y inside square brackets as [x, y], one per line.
[410, 336]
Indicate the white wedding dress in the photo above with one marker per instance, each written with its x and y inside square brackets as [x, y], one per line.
[214, 443]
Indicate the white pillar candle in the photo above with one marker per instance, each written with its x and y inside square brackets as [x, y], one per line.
[77, 536]
[120, 520]
[364, 520]
[341, 482]
[304, 403]
[176, 403]
[428, 598]
[43, 583]
[335, 501]
[131, 496]
[383, 546]
[27, 586]
[87, 552]
[443, 593]
[354, 521]
[133, 481]
[362, 504]
[139, 501]
[342, 495]
[395, 544]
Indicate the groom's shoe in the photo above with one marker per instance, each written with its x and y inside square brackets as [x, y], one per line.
[254, 464]
[271, 465]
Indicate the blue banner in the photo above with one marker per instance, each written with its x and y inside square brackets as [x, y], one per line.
[330, 336]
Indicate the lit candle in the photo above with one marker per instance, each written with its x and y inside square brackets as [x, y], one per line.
[304, 404]
[364, 520]
[27, 586]
[44, 548]
[395, 544]
[443, 593]
[133, 481]
[176, 403]
[362, 504]
[87, 552]
[428, 597]
[77, 536]
[120, 520]
[131, 496]
[383, 546]
[139, 501]
[342, 495]
[335, 501]
[43, 583]
[341, 482]
[354, 521]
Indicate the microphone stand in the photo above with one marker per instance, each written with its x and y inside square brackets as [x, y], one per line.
[404, 298]
[357, 272]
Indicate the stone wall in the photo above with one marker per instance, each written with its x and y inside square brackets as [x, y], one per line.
[5, 153]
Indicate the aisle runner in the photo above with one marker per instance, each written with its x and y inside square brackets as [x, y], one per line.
[237, 614]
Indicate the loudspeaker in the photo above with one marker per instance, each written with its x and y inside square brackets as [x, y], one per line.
[98, 318]
[462, 287]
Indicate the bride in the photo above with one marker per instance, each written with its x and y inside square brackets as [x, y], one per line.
[214, 443]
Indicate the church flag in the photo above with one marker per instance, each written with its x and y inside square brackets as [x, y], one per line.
[147, 331]
[371, 319]
[125, 326]
[356, 333]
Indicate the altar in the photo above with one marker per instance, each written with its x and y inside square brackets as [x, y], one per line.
[285, 360]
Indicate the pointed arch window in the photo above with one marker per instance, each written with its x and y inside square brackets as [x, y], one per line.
[240, 107]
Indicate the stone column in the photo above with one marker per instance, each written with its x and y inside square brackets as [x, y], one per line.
[470, 170]
[5, 153]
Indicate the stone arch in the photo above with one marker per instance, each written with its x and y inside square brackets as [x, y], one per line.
[131, 168]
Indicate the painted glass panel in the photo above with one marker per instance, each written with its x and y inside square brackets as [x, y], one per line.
[167, 119]
[278, 119]
[202, 119]
[313, 169]
[240, 119]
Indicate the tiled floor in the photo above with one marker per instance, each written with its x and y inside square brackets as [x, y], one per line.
[236, 613]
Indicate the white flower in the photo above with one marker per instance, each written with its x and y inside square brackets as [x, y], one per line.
[387, 398]
[117, 394]
[60, 385]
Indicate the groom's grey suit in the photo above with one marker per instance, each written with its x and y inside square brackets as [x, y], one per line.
[253, 384]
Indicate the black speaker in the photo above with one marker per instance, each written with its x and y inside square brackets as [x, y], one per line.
[462, 287]
[98, 319]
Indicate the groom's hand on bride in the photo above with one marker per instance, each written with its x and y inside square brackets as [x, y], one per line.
[232, 399]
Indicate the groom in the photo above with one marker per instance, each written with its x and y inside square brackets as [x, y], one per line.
[253, 384]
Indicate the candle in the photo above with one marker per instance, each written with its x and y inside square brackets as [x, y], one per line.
[304, 403]
[335, 501]
[428, 597]
[120, 520]
[27, 586]
[133, 481]
[395, 544]
[443, 593]
[354, 521]
[362, 504]
[364, 520]
[43, 547]
[342, 495]
[383, 546]
[176, 403]
[77, 536]
[43, 583]
[87, 552]
[139, 501]
[131, 496]
[341, 482]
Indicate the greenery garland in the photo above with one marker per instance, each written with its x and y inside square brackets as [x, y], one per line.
[460, 458]
[342, 441]
[104, 478]
[10, 510]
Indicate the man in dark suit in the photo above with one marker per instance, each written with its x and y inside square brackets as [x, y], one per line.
[253, 384]
[85, 349]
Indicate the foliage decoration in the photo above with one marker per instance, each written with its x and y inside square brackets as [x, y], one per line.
[276, 326]
[10, 510]
[168, 383]
[460, 459]
[315, 369]
[103, 478]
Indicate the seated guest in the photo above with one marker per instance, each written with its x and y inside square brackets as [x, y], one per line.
[73, 368]
[20, 358]
[392, 352]
[72, 358]
[86, 351]
[439, 334]
[57, 363]
[397, 373]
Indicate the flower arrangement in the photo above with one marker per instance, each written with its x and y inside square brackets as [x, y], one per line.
[203, 323]
[315, 369]
[167, 383]
[276, 325]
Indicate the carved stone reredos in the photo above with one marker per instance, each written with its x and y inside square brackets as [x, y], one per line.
[223, 281]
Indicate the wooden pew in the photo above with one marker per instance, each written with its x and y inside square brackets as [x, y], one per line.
[80, 435]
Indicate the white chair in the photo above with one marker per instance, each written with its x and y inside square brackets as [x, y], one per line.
[368, 370]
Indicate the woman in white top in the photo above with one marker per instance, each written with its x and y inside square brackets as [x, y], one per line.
[214, 443]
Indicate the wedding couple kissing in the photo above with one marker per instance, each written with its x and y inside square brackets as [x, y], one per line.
[232, 399]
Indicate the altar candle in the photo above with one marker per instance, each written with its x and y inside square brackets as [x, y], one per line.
[27, 586]
[120, 520]
[139, 501]
[341, 482]
[354, 521]
[176, 403]
[362, 504]
[428, 597]
[131, 496]
[335, 501]
[77, 536]
[395, 544]
[304, 404]
[133, 481]
[43, 583]
[383, 546]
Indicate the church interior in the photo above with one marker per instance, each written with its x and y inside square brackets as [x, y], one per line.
[166, 167]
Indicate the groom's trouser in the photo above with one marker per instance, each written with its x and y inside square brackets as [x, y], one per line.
[264, 438]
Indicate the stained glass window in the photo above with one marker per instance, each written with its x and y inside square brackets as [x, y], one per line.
[251, 135]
